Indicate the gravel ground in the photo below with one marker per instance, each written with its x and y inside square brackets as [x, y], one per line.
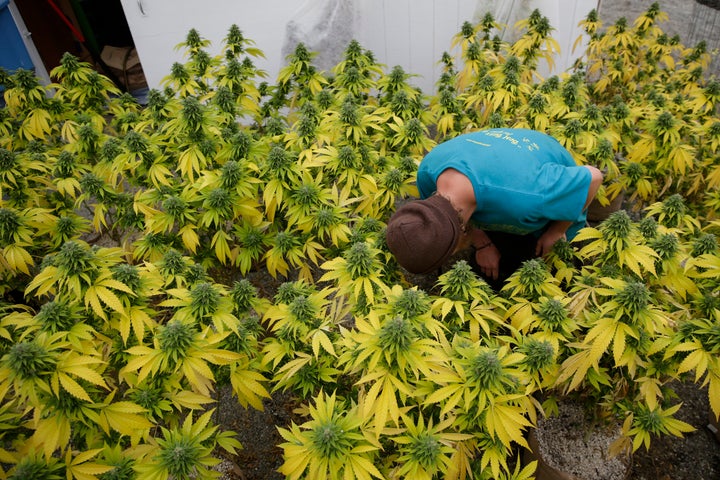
[257, 432]
[561, 445]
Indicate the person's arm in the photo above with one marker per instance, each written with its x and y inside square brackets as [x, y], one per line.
[596, 179]
[487, 255]
[557, 229]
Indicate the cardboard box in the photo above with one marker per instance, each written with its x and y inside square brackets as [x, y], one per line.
[125, 65]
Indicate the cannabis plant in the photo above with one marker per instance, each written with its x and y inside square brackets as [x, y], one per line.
[331, 445]
[133, 238]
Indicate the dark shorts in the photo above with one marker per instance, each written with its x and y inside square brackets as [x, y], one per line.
[514, 250]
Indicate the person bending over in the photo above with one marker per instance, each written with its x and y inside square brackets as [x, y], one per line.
[509, 193]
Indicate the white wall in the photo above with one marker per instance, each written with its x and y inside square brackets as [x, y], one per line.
[409, 33]
[157, 26]
[413, 33]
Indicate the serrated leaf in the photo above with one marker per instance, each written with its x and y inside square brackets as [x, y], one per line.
[650, 390]
[73, 388]
[51, 434]
[190, 238]
[619, 343]
[637, 255]
[448, 396]
[88, 471]
[92, 300]
[124, 418]
[191, 400]
[7, 457]
[43, 282]
[110, 299]
[507, 422]
[246, 385]
[139, 350]
[86, 373]
[321, 339]
[696, 360]
[228, 442]
[82, 457]
[138, 319]
[714, 394]
[124, 407]
[114, 284]
[18, 258]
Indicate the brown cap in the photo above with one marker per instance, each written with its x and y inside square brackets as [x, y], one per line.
[423, 234]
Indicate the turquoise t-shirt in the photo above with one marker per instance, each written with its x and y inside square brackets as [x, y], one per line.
[522, 179]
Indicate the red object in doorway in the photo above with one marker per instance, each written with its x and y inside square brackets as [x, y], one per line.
[77, 33]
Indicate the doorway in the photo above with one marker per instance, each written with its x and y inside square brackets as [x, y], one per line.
[95, 31]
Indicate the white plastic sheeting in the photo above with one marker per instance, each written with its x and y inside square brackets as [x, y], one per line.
[509, 12]
[325, 27]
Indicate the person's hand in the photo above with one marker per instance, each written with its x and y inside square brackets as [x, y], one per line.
[547, 240]
[488, 259]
